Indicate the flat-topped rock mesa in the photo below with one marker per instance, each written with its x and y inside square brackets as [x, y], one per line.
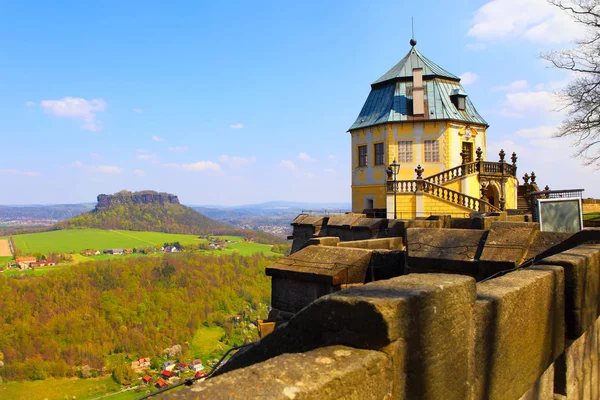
[144, 197]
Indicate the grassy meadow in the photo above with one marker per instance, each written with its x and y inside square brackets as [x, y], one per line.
[76, 240]
[59, 389]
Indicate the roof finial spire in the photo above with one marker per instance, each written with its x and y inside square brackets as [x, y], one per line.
[413, 41]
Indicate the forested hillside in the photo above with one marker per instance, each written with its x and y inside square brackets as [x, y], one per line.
[53, 324]
[155, 212]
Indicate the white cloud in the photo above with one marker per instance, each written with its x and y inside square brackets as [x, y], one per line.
[533, 20]
[288, 164]
[235, 161]
[104, 169]
[139, 172]
[77, 108]
[18, 172]
[539, 132]
[137, 110]
[199, 166]
[237, 126]
[331, 157]
[140, 150]
[179, 148]
[530, 104]
[330, 171]
[95, 156]
[304, 157]
[513, 86]
[157, 139]
[309, 174]
[29, 104]
[468, 78]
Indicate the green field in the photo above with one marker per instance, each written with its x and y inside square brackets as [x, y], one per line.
[5, 259]
[57, 389]
[206, 342]
[77, 240]
[595, 216]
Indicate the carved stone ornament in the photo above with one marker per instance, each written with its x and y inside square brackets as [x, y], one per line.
[502, 154]
[479, 153]
[419, 170]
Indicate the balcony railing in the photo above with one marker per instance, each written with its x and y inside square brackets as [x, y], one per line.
[452, 196]
[453, 173]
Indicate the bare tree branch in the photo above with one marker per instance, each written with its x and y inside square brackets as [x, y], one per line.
[581, 97]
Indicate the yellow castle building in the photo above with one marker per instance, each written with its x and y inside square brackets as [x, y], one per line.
[419, 148]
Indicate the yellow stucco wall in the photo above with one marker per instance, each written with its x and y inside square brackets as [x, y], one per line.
[369, 181]
[406, 205]
[359, 193]
[511, 193]
[435, 205]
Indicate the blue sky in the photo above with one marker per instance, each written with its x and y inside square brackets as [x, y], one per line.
[245, 102]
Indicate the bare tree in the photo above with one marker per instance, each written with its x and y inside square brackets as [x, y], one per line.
[581, 98]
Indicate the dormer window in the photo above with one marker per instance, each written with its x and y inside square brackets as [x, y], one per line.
[459, 99]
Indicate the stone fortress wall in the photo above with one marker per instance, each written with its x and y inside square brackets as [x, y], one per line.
[481, 308]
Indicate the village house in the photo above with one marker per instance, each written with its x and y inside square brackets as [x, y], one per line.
[196, 365]
[42, 264]
[146, 379]
[168, 365]
[166, 374]
[161, 384]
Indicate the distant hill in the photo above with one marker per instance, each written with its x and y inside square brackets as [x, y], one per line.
[154, 212]
[273, 216]
[52, 211]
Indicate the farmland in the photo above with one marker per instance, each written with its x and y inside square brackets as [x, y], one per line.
[77, 240]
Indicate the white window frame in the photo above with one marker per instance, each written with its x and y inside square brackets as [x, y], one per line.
[405, 156]
[431, 150]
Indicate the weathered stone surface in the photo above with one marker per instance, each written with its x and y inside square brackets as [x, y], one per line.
[444, 250]
[422, 320]
[382, 243]
[543, 388]
[518, 331]
[578, 371]
[331, 265]
[293, 295]
[582, 286]
[386, 264]
[324, 241]
[543, 241]
[506, 246]
[305, 227]
[328, 373]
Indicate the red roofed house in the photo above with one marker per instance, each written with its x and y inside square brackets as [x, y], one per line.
[160, 384]
[166, 374]
[26, 260]
[146, 379]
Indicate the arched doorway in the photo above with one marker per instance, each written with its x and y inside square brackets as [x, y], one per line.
[493, 195]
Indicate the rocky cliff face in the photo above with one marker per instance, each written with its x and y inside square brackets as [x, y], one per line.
[145, 197]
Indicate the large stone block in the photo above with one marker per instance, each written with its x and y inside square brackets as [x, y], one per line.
[422, 320]
[293, 295]
[444, 250]
[578, 370]
[331, 265]
[519, 331]
[396, 243]
[506, 245]
[582, 286]
[328, 373]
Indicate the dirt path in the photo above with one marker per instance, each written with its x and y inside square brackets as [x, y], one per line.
[4, 248]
